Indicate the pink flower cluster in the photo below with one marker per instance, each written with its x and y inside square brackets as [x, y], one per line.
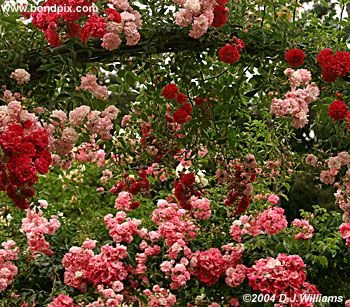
[283, 275]
[159, 297]
[90, 153]
[89, 84]
[21, 76]
[345, 232]
[173, 223]
[83, 266]
[272, 221]
[124, 202]
[8, 270]
[35, 226]
[129, 26]
[296, 100]
[76, 263]
[200, 208]
[329, 176]
[235, 275]
[201, 14]
[311, 160]
[121, 228]
[107, 267]
[305, 229]
[64, 133]
[62, 301]
[141, 258]
[177, 272]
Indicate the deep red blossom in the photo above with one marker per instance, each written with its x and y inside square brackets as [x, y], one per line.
[113, 15]
[295, 57]
[94, 27]
[180, 116]
[181, 98]
[333, 65]
[185, 189]
[337, 110]
[23, 153]
[53, 38]
[170, 91]
[220, 16]
[229, 54]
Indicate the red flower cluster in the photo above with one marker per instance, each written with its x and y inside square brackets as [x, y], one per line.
[220, 14]
[338, 110]
[333, 65]
[66, 23]
[183, 114]
[240, 181]
[295, 57]
[184, 189]
[208, 266]
[23, 153]
[230, 53]
[132, 186]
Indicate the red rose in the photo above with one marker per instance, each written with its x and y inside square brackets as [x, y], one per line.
[52, 38]
[181, 98]
[180, 116]
[337, 110]
[42, 163]
[229, 54]
[113, 15]
[295, 57]
[94, 27]
[324, 56]
[220, 16]
[170, 91]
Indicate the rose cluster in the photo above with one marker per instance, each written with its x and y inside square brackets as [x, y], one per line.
[338, 110]
[201, 14]
[295, 57]
[305, 229]
[183, 113]
[35, 226]
[132, 186]
[89, 84]
[296, 101]
[230, 53]
[80, 19]
[65, 131]
[83, 267]
[333, 65]
[62, 301]
[271, 221]
[121, 228]
[173, 224]
[159, 297]
[23, 152]
[284, 275]
[8, 270]
[240, 177]
[345, 232]
[184, 188]
[208, 266]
